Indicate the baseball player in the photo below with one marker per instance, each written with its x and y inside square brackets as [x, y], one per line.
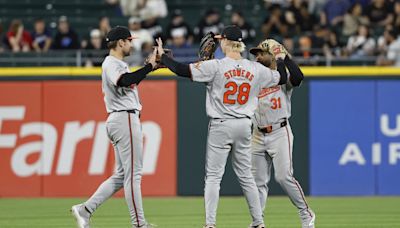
[124, 130]
[233, 84]
[273, 138]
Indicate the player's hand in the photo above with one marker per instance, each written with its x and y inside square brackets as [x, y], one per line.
[160, 49]
[152, 59]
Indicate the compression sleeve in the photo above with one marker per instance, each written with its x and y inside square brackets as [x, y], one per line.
[178, 68]
[296, 75]
[282, 71]
[136, 77]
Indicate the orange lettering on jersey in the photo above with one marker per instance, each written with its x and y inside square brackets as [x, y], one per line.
[226, 75]
[239, 73]
[266, 91]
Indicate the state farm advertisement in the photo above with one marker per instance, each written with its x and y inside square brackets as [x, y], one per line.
[53, 140]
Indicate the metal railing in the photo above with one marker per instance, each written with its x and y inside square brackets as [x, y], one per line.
[82, 57]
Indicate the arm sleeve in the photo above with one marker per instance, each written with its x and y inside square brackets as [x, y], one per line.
[178, 68]
[296, 75]
[282, 71]
[204, 71]
[136, 77]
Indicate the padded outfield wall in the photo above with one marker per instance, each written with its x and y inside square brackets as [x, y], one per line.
[346, 123]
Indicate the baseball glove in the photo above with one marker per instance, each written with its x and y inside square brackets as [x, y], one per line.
[208, 45]
[274, 48]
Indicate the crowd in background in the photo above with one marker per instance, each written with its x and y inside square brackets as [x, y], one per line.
[352, 29]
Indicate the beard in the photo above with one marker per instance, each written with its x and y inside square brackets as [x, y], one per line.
[128, 53]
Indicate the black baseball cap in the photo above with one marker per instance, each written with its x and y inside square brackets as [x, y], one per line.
[118, 33]
[231, 32]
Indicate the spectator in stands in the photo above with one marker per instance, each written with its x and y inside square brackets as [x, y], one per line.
[275, 25]
[65, 38]
[18, 38]
[353, 19]
[382, 42]
[144, 8]
[333, 12]
[95, 53]
[304, 20]
[41, 36]
[292, 15]
[104, 27]
[209, 23]
[248, 32]
[332, 46]
[380, 14]
[392, 57]
[396, 18]
[181, 49]
[178, 23]
[142, 35]
[152, 25]
[362, 44]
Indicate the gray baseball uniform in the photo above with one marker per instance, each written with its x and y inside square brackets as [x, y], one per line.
[231, 99]
[274, 146]
[125, 132]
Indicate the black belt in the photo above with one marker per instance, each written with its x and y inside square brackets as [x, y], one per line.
[134, 111]
[269, 129]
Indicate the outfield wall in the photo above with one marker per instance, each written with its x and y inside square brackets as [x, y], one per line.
[53, 141]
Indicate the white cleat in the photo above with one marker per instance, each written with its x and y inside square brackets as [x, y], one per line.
[310, 223]
[81, 215]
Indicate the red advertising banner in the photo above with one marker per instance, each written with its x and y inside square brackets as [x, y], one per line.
[53, 140]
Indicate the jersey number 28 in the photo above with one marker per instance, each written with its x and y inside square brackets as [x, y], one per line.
[242, 92]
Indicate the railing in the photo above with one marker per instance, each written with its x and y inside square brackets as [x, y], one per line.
[85, 57]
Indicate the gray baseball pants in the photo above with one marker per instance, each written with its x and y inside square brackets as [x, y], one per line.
[125, 132]
[230, 136]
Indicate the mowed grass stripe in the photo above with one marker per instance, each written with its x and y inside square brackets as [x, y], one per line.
[183, 212]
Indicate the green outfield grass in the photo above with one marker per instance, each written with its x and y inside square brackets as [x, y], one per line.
[184, 212]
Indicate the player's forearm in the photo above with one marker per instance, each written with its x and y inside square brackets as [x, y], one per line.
[136, 77]
[178, 68]
[296, 75]
[282, 71]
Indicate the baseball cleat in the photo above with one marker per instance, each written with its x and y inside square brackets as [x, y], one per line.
[259, 226]
[81, 215]
[209, 226]
[309, 223]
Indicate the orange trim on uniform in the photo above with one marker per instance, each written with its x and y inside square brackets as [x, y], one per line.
[293, 179]
[132, 169]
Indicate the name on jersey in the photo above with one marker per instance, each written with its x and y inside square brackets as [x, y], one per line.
[239, 73]
[266, 91]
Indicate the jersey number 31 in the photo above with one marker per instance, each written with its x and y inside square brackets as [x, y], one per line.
[241, 92]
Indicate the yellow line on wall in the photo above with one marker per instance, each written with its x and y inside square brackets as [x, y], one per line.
[96, 71]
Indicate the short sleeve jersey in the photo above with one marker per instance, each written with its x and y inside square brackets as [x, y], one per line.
[118, 98]
[274, 105]
[232, 85]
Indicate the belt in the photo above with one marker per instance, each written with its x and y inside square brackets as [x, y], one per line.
[270, 128]
[134, 111]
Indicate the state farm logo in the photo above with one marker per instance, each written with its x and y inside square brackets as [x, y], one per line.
[72, 133]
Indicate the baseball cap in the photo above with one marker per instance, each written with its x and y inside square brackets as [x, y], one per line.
[231, 32]
[118, 33]
[260, 48]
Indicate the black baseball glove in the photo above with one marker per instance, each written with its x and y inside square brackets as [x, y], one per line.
[208, 45]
